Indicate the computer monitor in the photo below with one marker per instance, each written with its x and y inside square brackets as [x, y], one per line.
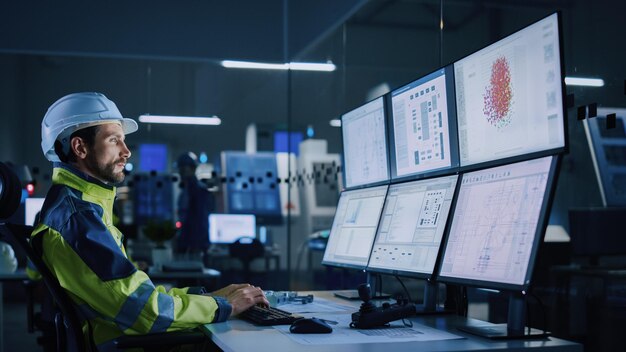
[499, 221]
[32, 206]
[364, 134]
[354, 227]
[509, 97]
[228, 228]
[608, 152]
[412, 227]
[423, 127]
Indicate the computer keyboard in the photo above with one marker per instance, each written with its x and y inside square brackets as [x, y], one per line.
[268, 316]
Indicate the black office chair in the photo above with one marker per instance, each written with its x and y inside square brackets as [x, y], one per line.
[69, 332]
[246, 249]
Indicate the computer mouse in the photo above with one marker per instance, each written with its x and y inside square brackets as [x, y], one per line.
[310, 326]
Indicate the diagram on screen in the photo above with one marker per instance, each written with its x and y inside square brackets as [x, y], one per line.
[497, 222]
[421, 128]
[431, 208]
[498, 96]
[367, 153]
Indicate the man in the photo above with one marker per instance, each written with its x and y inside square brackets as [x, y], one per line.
[84, 135]
[194, 204]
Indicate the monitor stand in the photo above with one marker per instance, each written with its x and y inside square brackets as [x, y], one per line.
[515, 328]
[430, 301]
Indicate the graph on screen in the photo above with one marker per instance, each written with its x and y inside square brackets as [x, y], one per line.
[354, 227]
[509, 96]
[365, 144]
[420, 125]
[495, 222]
[412, 225]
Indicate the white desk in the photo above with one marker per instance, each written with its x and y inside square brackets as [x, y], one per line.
[238, 335]
[19, 275]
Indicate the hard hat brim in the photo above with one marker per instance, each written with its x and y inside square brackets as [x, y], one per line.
[129, 125]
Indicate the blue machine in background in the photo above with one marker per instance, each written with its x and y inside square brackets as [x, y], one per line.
[153, 198]
[251, 186]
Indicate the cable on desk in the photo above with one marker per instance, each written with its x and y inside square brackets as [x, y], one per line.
[378, 288]
[408, 296]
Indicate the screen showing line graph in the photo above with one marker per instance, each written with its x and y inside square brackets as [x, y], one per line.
[365, 144]
[412, 226]
[509, 96]
[354, 227]
[422, 137]
[495, 229]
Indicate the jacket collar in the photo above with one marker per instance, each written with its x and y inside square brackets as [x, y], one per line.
[70, 176]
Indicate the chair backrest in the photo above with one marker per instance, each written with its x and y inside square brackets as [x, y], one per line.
[9, 187]
[246, 249]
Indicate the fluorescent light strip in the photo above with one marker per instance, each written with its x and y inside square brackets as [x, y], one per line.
[181, 120]
[335, 123]
[584, 82]
[312, 66]
[296, 66]
[254, 65]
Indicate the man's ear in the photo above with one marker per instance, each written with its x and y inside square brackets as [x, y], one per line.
[78, 147]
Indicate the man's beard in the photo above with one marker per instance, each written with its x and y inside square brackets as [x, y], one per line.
[105, 172]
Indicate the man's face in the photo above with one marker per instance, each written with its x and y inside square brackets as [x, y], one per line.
[107, 156]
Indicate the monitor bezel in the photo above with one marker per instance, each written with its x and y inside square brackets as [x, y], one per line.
[446, 230]
[540, 230]
[348, 265]
[448, 72]
[603, 169]
[535, 154]
[343, 148]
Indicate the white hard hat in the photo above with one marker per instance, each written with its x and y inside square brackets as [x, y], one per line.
[77, 111]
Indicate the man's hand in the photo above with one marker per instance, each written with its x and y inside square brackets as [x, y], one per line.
[242, 296]
[224, 292]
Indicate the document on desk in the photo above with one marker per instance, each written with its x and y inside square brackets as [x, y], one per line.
[319, 305]
[343, 334]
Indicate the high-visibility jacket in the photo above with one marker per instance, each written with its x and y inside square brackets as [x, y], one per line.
[83, 249]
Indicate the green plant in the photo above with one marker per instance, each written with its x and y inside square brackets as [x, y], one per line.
[159, 231]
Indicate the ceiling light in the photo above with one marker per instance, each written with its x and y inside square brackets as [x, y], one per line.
[584, 82]
[312, 66]
[296, 66]
[335, 123]
[254, 65]
[181, 120]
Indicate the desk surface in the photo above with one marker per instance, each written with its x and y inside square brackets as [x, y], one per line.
[238, 335]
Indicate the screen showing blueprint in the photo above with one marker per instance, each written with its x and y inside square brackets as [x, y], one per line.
[423, 137]
[354, 227]
[365, 144]
[495, 229]
[509, 96]
[412, 226]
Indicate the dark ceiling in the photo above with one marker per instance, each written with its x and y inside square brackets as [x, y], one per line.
[198, 30]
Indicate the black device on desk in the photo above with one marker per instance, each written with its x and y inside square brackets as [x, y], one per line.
[369, 316]
[353, 295]
[269, 316]
[310, 326]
